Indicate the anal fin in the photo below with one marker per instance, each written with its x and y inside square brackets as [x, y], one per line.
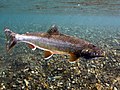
[47, 54]
[73, 58]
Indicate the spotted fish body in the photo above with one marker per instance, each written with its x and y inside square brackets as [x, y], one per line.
[54, 42]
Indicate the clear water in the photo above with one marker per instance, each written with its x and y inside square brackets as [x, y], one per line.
[39, 15]
[97, 21]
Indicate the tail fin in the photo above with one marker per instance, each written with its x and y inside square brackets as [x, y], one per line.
[11, 40]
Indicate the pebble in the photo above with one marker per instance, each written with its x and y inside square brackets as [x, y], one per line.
[74, 67]
[107, 84]
[94, 66]
[23, 87]
[78, 4]
[26, 69]
[19, 81]
[57, 77]
[51, 87]
[98, 86]
[114, 51]
[78, 72]
[73, 82]
[14, 86]
[114, 88]
[68, 88]
[89, 70]
[26, 82]
[32, 72]
[116, 41]
[2, 86]
[60, 68]
[36, 72]
[60, 84]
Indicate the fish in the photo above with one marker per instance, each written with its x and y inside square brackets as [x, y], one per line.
[54, 42]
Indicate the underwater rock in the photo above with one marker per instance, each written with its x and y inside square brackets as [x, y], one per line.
[26, 82]
[26, 69]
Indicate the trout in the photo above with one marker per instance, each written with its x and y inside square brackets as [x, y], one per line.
[54, 42]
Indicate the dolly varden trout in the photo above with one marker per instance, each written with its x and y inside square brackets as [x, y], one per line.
[54, 42]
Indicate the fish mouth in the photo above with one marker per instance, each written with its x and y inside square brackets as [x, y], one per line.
[92, 54]
[99, 54]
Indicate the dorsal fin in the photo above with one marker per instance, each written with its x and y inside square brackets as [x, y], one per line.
[53, 30]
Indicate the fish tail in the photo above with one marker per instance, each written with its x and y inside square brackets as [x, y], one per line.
[11, 40]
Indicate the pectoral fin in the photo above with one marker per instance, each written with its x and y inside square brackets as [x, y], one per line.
[73, 58]
[47, 54]
[31, 46]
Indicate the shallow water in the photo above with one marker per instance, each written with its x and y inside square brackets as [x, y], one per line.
[97, 21]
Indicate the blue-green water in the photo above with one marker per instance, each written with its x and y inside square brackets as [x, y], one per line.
[97, 21]
[78, 25]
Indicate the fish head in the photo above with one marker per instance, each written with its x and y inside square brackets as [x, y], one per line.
[93, 52]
